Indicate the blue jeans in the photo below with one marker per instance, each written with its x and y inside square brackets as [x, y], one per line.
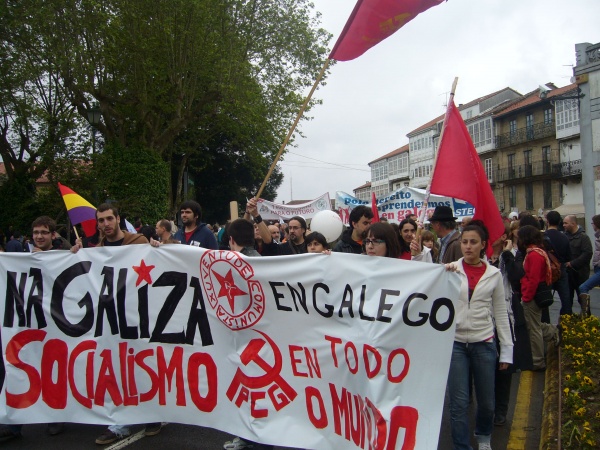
[591, 283]
[562, 288]
[480, 359]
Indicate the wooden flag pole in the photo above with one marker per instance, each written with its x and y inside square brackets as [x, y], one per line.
[293, 128]
[75, 230]
[233, 210]
[428, 190]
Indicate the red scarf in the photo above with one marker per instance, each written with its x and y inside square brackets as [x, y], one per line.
[533, 248]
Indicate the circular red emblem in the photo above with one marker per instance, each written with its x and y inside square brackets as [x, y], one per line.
[238, 300]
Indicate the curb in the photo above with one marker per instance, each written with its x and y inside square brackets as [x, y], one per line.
[550, 413]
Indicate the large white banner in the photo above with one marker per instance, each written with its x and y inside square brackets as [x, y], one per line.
[398, 205]
[276, 211]
[314, 351]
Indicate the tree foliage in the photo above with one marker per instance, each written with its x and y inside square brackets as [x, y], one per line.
[135, 179]
[209, 86]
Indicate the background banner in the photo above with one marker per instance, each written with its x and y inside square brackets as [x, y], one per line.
[275, 211]
[401, 203]
[311, 351]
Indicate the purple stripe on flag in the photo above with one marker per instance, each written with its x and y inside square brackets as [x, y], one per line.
[81, 213]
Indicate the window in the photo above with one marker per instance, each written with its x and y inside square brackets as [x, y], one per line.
[529, 125]
[546, 161]
[546, 152]
[513, 126]
[547, 116]
[398, 164]
[512, 196]
[511, 166]
[379, 171]
[527, 161]
[469, 114]
[547, 194]
[381, 190]
[529, 196]
[567, 114]
[481, 132]
[488, 169]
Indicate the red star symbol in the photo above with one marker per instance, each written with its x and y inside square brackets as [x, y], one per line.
[143, 272]
[228, 288]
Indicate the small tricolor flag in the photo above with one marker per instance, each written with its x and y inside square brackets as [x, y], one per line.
[79, 209]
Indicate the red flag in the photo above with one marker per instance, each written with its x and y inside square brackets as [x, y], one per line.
[372, 21]
[459, 173]
[374, 208]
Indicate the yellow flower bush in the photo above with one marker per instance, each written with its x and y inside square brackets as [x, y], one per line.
[580, 366]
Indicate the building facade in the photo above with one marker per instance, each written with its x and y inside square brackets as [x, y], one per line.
[529, 147]
[587, 77]
[389, 172]
[529, 173]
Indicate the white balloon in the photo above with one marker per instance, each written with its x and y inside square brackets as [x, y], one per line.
[328, 223]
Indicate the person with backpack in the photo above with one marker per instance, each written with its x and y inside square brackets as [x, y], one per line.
[537, 275]
[558, 244]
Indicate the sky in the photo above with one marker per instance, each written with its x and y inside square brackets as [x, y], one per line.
[371, 103]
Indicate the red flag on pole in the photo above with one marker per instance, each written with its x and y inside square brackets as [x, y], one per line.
[459, 173]
[374, 208]
[372, 21]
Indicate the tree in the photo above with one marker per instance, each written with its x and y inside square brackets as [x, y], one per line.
[37, 122]
[185, 79]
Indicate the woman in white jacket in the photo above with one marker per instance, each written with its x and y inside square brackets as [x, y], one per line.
[481, 300]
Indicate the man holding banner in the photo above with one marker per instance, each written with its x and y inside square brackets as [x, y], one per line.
[108, 220]
[43, 232]
[297, 231]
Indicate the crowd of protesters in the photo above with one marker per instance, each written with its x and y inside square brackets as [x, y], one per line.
[499, 326]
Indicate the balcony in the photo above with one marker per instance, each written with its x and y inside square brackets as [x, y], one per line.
[527, 134]
[569, 169]
[526, 172]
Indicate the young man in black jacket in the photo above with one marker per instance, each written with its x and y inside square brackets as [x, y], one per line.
[360, 221]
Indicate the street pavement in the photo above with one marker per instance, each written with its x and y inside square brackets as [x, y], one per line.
[175, 436]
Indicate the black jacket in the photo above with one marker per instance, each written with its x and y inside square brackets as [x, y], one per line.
[347, 244]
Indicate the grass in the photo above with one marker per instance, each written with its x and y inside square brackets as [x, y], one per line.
[580, 369]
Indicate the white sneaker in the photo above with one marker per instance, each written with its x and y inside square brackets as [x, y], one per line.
[237, 444]
[485, 446]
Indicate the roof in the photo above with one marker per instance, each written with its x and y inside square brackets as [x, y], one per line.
[366, 185]
[533, 98]
[398, 151]
[460, 108]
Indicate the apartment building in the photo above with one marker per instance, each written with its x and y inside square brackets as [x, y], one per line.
[531, 150]
[528, 145]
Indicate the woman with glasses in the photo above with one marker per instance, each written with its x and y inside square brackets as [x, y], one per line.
[382, 241]
[410, 246]
[481, 304]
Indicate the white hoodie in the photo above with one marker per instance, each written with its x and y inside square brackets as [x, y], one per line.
[475, 317]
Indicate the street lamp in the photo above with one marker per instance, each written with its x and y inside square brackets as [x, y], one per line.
[94, 115]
